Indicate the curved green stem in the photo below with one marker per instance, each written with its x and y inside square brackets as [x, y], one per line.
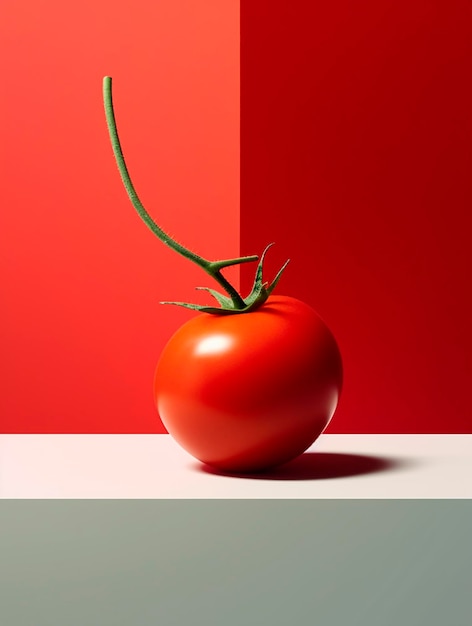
[213, 268]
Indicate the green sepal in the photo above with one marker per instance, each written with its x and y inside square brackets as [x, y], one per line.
[224, 301]
[258, 293]
[202, 308]
[273, 284]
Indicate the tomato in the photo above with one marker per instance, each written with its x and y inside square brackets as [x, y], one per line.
[248, 392]
[250, 383]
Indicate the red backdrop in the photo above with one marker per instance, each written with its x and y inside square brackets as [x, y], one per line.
[356, 158]
[356, 153]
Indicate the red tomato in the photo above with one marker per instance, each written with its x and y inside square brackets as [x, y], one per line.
[250, 391]
[242, 391]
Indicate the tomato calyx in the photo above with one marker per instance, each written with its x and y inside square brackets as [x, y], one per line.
[231, 303]
[259, 294]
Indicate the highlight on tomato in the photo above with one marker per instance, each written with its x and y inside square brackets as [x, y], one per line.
[248, 383]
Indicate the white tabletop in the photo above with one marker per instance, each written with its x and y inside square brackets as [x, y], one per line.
[154, 466]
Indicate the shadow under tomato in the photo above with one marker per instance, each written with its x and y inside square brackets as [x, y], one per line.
[319, 466]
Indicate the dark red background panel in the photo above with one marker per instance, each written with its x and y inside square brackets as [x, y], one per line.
[356, 159]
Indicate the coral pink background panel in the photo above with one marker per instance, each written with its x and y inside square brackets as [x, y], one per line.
[81, 275]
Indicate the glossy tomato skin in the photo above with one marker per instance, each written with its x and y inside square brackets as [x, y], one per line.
[249, 391]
